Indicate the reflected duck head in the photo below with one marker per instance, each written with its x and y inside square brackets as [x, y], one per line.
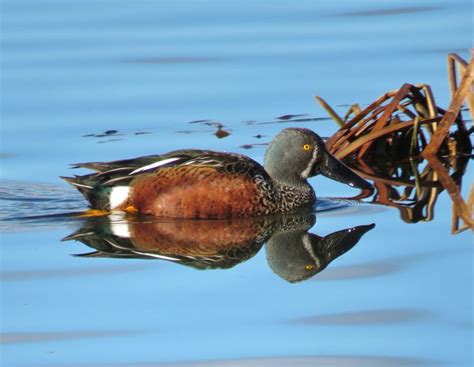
[297, 255]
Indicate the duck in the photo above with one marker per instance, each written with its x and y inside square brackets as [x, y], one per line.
[193, 183]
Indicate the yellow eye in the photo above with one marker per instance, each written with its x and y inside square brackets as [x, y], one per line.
[309, 267]
[306, 147]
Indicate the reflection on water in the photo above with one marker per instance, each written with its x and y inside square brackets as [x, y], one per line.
[292, 252]
[413, 186]
[295, 255]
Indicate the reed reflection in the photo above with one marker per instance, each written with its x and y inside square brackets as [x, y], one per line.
[413, 187]
[292, 252]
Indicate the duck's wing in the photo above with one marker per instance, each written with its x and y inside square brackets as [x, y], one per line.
[123, 171]
[126, 169]
[145, 163]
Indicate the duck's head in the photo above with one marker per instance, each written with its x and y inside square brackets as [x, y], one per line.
[296, 154]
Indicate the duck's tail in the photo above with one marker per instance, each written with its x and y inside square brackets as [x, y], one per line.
[96, 194]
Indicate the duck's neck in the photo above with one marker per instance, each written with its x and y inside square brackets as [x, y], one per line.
[294, 195]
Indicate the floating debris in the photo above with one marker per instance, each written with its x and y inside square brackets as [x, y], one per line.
[221, 130]
[290, 117]
[102, 134]
[221, 133]
[247, 146]
[113, 133]
[199, 121]
[108, 141]
[250, 146]
[298, 120]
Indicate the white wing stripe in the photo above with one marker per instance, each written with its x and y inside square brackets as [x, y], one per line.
[156, 255]
[154, 165]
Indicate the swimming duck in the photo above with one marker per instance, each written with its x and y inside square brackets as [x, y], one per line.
[208, 184]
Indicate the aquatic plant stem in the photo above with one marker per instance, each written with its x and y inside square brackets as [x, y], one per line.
[452, 112]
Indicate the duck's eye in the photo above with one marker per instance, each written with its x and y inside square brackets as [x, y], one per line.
[306, 147]
[309, 267]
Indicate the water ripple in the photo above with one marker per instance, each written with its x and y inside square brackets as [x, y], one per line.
[34, 203]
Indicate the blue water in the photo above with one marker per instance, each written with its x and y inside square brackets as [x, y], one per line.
[401, 297]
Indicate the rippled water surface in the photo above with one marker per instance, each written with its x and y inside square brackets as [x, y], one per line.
[86, 81]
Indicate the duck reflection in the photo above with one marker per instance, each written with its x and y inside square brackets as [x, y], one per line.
[296, 255]
[292, 252]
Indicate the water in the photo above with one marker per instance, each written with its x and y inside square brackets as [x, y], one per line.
[71, 71]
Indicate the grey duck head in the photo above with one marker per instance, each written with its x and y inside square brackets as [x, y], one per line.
[296, 154]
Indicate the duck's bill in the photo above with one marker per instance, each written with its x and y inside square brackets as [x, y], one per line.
[333, 168]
